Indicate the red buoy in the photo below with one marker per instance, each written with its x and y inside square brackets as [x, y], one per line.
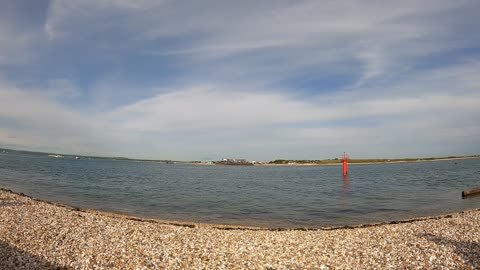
[345, 163]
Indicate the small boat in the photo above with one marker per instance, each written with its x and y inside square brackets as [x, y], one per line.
[55, 156]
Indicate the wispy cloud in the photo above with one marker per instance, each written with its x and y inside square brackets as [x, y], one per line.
[302, 35]
[176, 79]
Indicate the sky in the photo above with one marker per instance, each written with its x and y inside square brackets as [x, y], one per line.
[261, 80]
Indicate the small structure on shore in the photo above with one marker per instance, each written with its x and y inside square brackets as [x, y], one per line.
[233, 161]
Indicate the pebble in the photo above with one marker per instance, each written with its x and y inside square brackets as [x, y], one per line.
[39, 235]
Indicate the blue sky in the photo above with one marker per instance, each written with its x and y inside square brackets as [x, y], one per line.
[202, 80]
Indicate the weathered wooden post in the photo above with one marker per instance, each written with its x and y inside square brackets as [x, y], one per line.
[471, 192]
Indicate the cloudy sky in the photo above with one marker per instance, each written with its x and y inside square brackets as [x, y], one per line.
[202, 80]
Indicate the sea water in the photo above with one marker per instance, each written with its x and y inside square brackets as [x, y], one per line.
[271, 196]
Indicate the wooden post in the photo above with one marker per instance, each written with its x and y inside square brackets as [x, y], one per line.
[470, 192]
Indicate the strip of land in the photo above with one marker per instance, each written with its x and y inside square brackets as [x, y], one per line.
[278, 162]
[335, 162]
[36, 234]
[330, 162]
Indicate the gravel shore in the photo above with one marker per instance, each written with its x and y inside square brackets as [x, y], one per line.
[39, 235]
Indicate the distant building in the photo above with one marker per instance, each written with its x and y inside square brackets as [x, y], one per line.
[234, 161]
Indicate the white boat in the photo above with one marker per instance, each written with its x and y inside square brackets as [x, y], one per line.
[55, 156]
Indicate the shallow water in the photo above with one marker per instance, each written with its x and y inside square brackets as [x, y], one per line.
[310, 196]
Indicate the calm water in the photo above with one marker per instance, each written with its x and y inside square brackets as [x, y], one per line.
[260, 196]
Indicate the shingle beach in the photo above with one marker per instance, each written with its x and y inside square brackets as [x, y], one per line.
[39, 235]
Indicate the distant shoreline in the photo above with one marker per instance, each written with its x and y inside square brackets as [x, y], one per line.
[288, 162]
[358, 162]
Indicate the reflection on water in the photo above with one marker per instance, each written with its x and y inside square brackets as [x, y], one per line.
[345, 192]
[345, 185]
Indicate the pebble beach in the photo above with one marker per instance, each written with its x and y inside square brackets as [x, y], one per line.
[36, 234]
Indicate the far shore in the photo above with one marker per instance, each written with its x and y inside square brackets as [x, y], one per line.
[337, 163]
[291, 163]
